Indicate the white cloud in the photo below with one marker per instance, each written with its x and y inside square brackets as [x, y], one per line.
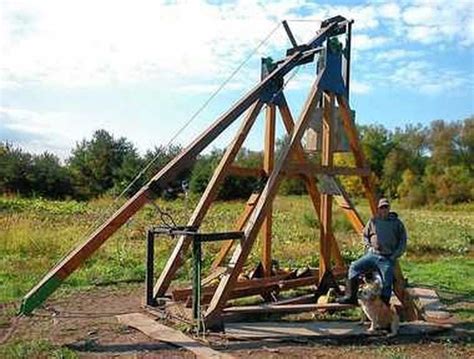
[365, 42]
[422, 76]
[397, 54]
[360, 88]
[90, 43]
[390, 11]
[436, 21]
[37, 132]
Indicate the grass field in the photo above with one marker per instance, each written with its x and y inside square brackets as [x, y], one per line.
[36, 234]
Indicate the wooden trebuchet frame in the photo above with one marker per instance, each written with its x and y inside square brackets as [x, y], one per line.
[328, 86]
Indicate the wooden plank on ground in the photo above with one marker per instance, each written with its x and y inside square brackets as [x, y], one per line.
[433, 309]
[169, 335]
[285, 308]
[329, 329]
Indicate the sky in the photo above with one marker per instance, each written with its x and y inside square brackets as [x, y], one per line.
[141, 69]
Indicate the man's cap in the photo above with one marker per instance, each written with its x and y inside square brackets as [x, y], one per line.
[383, 202]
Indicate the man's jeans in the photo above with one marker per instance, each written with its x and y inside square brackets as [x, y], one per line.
[371, 261]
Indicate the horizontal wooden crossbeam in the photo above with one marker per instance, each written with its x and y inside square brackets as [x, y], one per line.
[246, 172]
[309, 169]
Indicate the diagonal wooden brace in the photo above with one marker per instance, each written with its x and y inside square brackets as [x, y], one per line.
[212, 189]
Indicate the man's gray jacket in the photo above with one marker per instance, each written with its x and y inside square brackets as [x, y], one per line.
[386, 237]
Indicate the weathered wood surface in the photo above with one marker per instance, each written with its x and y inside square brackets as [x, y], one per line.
[433, 309]
[169, 335]
[268, 164]
[340, 329]
[285, 308]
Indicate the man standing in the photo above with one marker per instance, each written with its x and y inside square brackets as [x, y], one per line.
[385, 239]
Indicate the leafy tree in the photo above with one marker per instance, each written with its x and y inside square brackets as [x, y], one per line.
[158, 158]
[442, 143]
[453, 184]
[376, 142]
[32, 175]
[15, 166]
[408, 152]
[49, 178]
[411, 190]
[233, 186]
[449, 174]
[102, 164]
[465, 144]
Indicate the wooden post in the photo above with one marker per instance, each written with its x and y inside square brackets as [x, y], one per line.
[174, 261]
[327, 159]
[268, 162]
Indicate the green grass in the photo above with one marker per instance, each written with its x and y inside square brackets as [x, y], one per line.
[35, 349]
[36, 234]
[452, 274]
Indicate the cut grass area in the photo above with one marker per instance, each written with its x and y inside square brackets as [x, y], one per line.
[453, 274]
[36, 234]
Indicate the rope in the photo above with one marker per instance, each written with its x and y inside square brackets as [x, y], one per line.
[182, 128]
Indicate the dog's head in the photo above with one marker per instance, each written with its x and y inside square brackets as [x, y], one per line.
[370, 290]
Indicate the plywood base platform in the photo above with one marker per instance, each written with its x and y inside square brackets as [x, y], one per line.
[339, 329]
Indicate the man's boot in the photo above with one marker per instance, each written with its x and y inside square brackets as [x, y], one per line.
[350, 297]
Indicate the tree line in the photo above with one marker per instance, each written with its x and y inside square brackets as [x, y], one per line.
[417, 164]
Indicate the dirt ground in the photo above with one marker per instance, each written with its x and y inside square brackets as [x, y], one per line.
[85, 322]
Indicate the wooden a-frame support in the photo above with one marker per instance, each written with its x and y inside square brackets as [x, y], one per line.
[257, 215]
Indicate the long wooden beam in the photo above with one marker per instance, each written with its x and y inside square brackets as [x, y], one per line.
[209, 195]
[253, 226]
